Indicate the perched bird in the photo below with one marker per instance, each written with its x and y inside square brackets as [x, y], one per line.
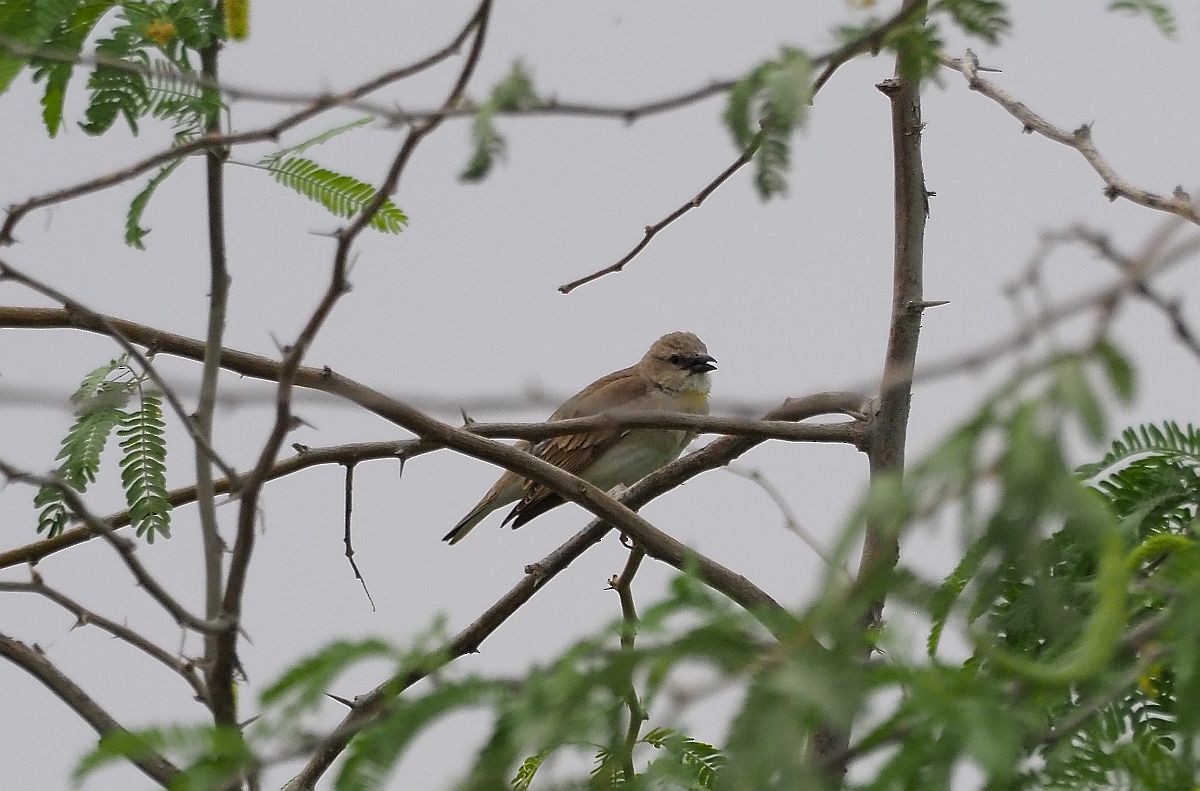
[671, 377]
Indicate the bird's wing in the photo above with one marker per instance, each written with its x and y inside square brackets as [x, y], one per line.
[575, 453]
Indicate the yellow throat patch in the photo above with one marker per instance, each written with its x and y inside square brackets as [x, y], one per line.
[693, 400]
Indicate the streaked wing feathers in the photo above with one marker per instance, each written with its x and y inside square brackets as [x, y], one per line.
[623, 389]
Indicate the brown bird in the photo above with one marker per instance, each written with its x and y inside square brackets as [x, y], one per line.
[671, 377]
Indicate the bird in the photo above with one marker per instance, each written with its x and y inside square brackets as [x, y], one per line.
[672, 376]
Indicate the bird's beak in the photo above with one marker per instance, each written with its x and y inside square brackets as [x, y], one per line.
[702, 363]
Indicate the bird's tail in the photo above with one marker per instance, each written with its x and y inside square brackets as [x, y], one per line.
[477, 515]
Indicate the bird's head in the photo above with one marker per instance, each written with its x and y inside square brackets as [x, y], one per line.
[679, 361]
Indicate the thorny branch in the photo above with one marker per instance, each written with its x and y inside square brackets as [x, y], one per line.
[85, 617]
[716, 454]
[872, 41]
[124, 547]
[1179, 203]
[32, 661]
[406, 449]
[623, 585]
[226, 659]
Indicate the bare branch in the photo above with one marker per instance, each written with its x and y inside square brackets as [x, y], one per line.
[886, 443]
[623, 585]
[850, 433]
[833, 60]
[32, 661]
[86, 617]
[346, 536]
[652, 230]
[124, 547]
[222, 699]
[789, 518]
[1179, 203]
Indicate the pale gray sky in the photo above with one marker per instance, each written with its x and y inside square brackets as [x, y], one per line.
[791, 297]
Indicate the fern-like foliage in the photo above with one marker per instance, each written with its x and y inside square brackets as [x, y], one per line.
[99, 401]
[1159, 13]
[28, 22]
[527, 770]
[1170, 441]
[341, 195]
[144, 468]
[765, 107]
[693, 763]
[134, 232]
[209, 756]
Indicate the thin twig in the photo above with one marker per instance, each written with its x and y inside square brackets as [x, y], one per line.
[1179, 203]
[871, 41]
[789, 517]
[123, 546]
[623, 585]
[346, 536]
[85, 617]
[652, 230]
[32, 661]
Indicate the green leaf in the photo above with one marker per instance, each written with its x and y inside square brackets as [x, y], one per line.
[984, 19]
[1171, 442]
[134, 232]
[527, 770]
[211, 756]
[765, 107]
[1160, 13]
[513, 93]
[67, 40]
[320, 139]
[341, 195]
[303, 684]
[28, 22]
[1118, 369]
[375, 750]
[144, 469]
[114, 93]
[488, 146]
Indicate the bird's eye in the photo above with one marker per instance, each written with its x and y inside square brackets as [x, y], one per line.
[675, 359]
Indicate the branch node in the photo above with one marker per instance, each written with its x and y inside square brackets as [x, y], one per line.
[889, 87]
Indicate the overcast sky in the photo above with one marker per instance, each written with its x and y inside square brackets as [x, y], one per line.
[791, 297]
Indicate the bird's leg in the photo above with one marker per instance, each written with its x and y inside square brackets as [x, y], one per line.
[616, 493]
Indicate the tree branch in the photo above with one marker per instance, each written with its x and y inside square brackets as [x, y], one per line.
[832, 60]
[623, 585]
[1179, 203]
[123, 546]
[33, 662]
[886, 441]
[716, 454]
[222, 698]
[85, 617]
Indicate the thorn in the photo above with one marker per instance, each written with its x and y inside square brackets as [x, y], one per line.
[295, 422]
[344, 701]
[467, 419]
[300, 448]
[917, 307]
[402, 459]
